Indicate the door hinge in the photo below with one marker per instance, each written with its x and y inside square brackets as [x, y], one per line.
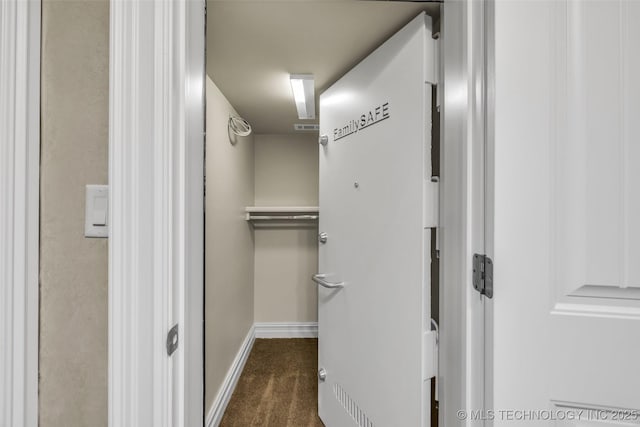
[172, 340]
[483, 275]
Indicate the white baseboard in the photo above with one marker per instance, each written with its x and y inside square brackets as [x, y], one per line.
[231, 380]
[286, 330]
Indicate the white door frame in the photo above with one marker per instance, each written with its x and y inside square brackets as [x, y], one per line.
[156, 199]
[156, 251]
[465, 40]
[19, 210]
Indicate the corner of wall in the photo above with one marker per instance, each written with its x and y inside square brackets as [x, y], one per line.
[229, 242]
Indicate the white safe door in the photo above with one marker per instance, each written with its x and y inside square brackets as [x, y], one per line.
[374, 172]
[566, 236]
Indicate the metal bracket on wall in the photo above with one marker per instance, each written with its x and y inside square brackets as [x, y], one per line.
[172, 340]
[483, 275]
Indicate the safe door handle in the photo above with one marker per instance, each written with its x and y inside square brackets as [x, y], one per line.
[320, 280]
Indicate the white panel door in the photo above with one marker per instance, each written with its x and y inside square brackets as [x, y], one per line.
[565, 324]
[374, 172]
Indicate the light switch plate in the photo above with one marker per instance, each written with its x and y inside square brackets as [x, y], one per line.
[96, 217]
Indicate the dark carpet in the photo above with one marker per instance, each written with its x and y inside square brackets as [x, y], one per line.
[278, 386]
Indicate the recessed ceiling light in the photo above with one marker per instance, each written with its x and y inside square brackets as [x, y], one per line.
[302, 86]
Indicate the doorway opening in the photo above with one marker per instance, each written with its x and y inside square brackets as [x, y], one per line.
[262, 192]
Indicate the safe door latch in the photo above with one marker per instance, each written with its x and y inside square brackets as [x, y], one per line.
[483, 275]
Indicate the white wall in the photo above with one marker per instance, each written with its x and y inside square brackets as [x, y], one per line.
[286, 174]
[228, 243]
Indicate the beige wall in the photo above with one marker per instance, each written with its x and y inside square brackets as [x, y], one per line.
[285, 258]
[73, 269]
[287, 170]
[228, 243]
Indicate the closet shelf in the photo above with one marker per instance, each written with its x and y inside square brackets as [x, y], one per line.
[281, 215]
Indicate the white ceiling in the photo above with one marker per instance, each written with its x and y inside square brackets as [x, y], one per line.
[253, 46]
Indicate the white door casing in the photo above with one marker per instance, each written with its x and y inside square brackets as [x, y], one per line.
[465, 93]
[564, 324]
[19, 210]
[375, 176]
[156, 145]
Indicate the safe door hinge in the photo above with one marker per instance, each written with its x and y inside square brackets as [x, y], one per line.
[430, 355]
[431, 200]
[172, 340]
[437, 69]
[483, 275]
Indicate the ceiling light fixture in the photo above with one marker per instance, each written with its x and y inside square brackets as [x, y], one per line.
[303, 94]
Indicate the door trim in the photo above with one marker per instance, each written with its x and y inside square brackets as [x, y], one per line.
[19, 210]
[462, 228]
[489, 145]
[156, 259]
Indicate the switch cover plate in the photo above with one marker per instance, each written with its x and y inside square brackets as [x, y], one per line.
[96, 218]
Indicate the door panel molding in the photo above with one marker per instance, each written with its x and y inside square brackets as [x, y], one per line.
[595, 229]
[566, 227]
[19, 210]
[579, 414]
[156, 212]
[596, 310]
[610, 292]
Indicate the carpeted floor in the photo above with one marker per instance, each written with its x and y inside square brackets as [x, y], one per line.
[278, 387]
